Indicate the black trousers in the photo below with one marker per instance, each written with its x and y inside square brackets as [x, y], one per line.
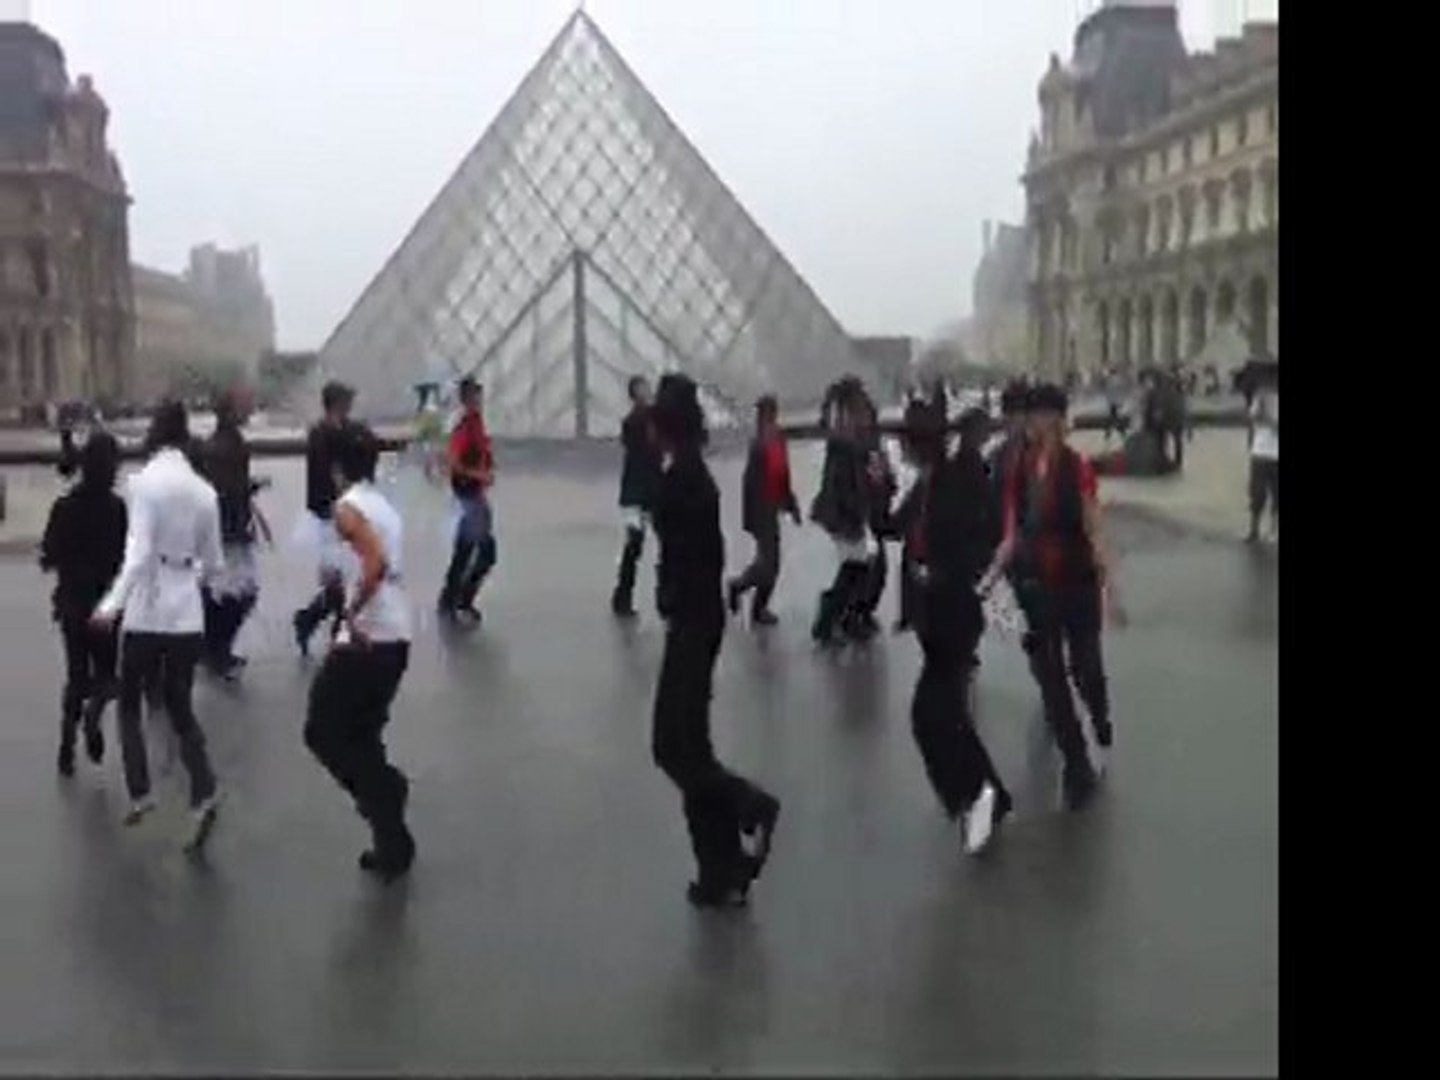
[90, 656]
[842, 597]
[1067, 628]
[170, 660]
[764, 570]
[718, 804]
[349, 707]
[224, 616]
[1264, 487]
[872, 588]
[949, 622]
[909, 589]
[624, 595]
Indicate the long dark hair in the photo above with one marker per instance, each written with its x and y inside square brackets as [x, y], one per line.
[99, 463]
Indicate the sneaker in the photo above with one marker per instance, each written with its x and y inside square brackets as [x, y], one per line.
[760, 827]
[202, 824]
[472, 613]
[302, 633]
[978, 822]
[732, 596]
[139, 809]
[764, 617]
[65, 762]
[393, 865]
[622, 609]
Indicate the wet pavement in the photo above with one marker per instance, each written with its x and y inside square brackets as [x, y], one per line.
[544, 928]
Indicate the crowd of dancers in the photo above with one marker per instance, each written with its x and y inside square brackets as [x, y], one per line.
[158, 583]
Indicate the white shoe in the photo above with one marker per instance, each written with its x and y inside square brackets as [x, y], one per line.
[139, 809]
[202, 824]
[1100, 761]
[979, 821]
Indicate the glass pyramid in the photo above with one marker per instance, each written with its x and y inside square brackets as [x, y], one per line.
[584, 240]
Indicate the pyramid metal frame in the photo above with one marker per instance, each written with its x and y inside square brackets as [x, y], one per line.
[581, 240]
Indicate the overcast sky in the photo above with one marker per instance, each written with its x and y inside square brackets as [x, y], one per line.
[869, 138]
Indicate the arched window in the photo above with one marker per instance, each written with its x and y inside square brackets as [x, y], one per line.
[1240, 194]
[1147, 330]
[1170, 327]
[49, 375]
[1225, 302]
[1199, 319]
[24, 348]
[1102, 324]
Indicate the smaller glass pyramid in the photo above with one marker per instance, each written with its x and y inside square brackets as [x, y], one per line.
[581, 241]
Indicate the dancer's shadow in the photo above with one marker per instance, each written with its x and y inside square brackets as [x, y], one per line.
[719, 1001]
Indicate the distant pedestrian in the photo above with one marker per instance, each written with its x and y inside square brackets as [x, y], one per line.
[172, 543]
[1264, 415]
[767, 494]
[336, 400]
[83, 545]
[472, 472]
[352, 693]
[721, 808]
[639, 477]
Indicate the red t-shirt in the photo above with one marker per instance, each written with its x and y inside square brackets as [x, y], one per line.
[1032, 478]
[777, 472]
[470, 442]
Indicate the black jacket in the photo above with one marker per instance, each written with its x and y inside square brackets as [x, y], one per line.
[757, 512]
[640, 475]
[320, 493]
[226, 464]
[962, 525]
[692, 550]
[841, 507]
[84, 544]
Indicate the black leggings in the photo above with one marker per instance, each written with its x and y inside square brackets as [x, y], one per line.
[949, 623]
[170, 659]
[718, 804]
[90, 656]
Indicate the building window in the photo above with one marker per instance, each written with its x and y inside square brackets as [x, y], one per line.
[1188, 151]
[1187, 225]
[27, 364]
[1212, 211]
[1215, 141]
[39, 267]
[49, 376]
[1242, 129]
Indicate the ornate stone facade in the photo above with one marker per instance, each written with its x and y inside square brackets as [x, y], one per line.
[215, 319]
[1152, 194]
[66, 303]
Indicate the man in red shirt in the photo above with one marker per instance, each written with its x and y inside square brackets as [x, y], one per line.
[767, 494]
[472, 466]
[1053, 541]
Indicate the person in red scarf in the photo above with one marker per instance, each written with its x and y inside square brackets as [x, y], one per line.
[767, 495]
[1062, 580]
[472, 471]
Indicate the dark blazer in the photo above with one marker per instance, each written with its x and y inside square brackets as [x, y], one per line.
[320, 493]
[84, 543]
[758, 513]
[225, 463]
[962, 521]
[692, 549]
[841, 507]
[640, 475]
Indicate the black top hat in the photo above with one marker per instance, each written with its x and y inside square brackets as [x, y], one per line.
[1047, 397]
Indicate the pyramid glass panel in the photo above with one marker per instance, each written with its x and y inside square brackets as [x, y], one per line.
[581, 241]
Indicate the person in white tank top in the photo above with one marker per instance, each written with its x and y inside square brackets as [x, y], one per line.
[351, 696]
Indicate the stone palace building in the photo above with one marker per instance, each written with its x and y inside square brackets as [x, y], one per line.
[1153, 196]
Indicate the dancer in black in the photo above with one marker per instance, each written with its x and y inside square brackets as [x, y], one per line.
[880, 487]
[336, 399]
[720, 807]
[351, 696]
[767, 494]
[84, 543]
[842, 509]
[638, 479]
[954, 529]
[231, 597]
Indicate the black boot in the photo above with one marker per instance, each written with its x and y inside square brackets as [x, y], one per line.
[622, 601]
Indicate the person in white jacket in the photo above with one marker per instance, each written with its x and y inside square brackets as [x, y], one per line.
[172, 542]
